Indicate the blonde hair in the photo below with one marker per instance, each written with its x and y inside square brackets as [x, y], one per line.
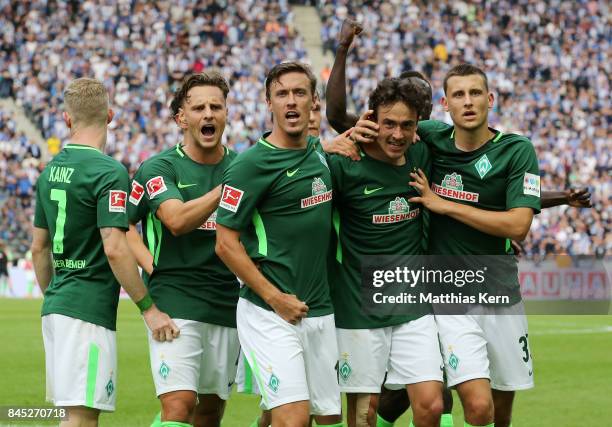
[86, 101]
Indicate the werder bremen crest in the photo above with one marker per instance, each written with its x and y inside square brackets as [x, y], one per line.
[318, 187]
[453, 181]
[483, 165]
[398, 206]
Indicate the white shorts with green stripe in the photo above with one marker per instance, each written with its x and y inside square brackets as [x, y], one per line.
[202, 359]
[81, 363]
[245, 380]
[291, 363]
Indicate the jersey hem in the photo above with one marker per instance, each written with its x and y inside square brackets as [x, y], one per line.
[342, 325]
[318, 312]
[80, 316]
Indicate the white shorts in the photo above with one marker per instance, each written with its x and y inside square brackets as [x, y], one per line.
[291, 362]
[202, 359]
[245, 380]
[487, 343]
[81, 363]
[409, 352]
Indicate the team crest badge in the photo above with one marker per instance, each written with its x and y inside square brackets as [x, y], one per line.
[164, 370]
[345, 370]
[483, 165]
[274, 383]
[109, 388]
[453, 361]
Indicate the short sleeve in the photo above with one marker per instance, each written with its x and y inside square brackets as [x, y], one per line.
[244, 185]
[523, 182]
[112, 198]
[137, 205]
[40, 220]
[159, 180]
[426, 128]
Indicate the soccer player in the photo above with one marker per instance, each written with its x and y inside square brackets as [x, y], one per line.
[273, 231]
[80, 257]
[375, 218]
[485, 190]
[393, 403]
[180, 190]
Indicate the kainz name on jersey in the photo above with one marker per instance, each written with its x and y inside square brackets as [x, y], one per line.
[116, 201]
[319, 194]
[136, 193]
[452, 187]
[60, 174]
[398, 211]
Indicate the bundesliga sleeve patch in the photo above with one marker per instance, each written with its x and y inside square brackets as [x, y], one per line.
[116, 201]
[156, 186]
[136, 193]
[531, 184]
[231, 197]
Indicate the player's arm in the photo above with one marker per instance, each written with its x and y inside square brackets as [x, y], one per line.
[41, 257]
[138, 248]
[335, 94]
[124, 268]
[182, 217]
[233, 254]
[513, 223]
[573, 197]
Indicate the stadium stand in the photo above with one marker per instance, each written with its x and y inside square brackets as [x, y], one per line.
[547, 60]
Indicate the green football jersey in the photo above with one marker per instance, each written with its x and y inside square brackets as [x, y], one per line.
[373, 217]
[80, 191]
[189, 281]
[280, 201]
[500, 175]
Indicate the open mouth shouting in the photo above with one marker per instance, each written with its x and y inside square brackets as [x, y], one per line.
[292, 117]
[208, 130]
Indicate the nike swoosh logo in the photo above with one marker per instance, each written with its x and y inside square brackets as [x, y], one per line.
[290, 174]
[185, 185]
[530, 373]
[373, 190]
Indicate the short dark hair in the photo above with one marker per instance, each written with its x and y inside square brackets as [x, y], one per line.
[465, 70]
[290, 67]
[425, 91]
[206, 78]
[392, 90]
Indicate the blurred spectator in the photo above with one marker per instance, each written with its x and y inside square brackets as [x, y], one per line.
[548, 62]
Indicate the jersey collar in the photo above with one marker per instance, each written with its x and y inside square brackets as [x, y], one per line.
[82, 147]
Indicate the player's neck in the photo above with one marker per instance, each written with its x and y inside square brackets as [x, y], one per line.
[282, 139]
[92, 137]
[472, 139]
[206, 156]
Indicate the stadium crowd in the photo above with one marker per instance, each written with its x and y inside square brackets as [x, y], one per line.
[547, 61]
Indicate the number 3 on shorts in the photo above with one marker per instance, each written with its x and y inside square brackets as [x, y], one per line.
[523, 341]
[59, 196]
